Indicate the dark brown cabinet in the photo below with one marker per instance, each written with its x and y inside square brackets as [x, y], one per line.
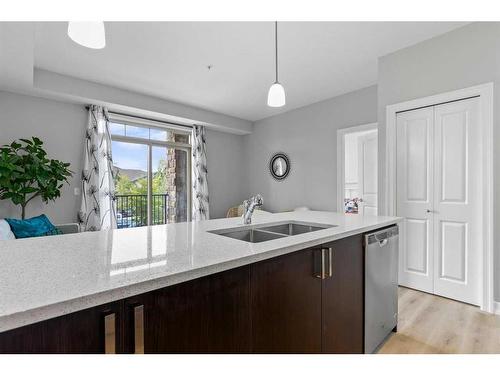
[286, 304]
[308, 301]
[205, 315]
[94, 330]
[343, 297]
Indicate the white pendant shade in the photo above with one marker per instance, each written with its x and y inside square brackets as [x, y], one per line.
[88, 34]
[276, 95]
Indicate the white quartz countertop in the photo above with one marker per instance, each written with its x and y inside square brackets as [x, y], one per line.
[41, 278]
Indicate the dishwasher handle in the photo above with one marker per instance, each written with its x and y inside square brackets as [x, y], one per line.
[382, 236]
[383, 242]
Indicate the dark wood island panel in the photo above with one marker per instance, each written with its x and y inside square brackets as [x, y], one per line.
[308, 301]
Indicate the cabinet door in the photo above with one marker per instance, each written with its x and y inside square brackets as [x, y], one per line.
[286, 304]
[94, 330]
[206, 315]
[343, 299]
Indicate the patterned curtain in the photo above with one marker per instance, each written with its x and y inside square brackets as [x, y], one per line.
[199, 174]
[98, 209]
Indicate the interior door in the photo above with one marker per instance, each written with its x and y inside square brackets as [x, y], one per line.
[457, 193]
[415, 197]
[439, 196]
[367, 173]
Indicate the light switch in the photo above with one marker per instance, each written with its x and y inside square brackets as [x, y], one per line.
[76, 191]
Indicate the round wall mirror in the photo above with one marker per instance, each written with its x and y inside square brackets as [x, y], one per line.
[279, 166]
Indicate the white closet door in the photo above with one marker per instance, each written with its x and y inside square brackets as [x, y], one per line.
[457, 192]
[367, 173]
[415, 197]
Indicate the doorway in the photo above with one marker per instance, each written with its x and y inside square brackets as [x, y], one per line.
[439, 179]
[357, 172]
[439, 196]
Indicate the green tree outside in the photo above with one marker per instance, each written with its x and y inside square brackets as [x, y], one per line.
[139, 187]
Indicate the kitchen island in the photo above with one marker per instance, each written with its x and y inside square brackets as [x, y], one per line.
[181, 288]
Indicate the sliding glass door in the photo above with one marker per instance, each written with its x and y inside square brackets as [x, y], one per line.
[152, 174]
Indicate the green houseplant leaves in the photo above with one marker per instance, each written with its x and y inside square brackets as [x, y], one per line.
[26, 173]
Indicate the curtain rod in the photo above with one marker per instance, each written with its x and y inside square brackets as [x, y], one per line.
[146, 118]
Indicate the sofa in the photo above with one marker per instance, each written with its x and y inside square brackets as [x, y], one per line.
[7, 234]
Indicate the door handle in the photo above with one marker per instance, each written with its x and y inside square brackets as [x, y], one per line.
[139, 329]
[430, 211]
[320, 264]
[110, 333]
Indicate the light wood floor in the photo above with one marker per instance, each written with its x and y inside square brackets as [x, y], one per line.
[432, 324]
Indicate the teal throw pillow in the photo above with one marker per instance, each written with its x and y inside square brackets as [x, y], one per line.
[35, 227]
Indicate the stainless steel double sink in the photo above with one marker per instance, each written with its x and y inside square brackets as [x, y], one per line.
[267, 232]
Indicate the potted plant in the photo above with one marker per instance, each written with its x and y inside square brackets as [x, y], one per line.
[27, 173]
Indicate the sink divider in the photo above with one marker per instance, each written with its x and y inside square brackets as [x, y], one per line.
[269, 232]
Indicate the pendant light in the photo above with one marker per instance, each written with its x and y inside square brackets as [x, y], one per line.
[88, 34]
[276, 95]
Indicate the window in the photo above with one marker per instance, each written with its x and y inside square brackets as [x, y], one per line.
[152, 171]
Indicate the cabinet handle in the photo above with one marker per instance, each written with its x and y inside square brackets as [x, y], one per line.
[330, 262]
[323, 264]
[319, 264]
[110, 333]
[139, 329]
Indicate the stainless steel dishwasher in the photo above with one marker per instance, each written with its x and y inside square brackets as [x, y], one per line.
[381, 286]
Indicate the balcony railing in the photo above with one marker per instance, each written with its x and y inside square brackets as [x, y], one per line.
[132, 210]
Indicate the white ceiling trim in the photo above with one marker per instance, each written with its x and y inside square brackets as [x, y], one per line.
[72, 89]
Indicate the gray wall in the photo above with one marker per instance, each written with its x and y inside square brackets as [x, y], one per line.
[61, 127]
[226, 171]
[309, 136]
[461, 58]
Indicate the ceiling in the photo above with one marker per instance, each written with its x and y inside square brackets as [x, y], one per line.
[317, 60]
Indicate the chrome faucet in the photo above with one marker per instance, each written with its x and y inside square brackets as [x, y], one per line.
[249, 205]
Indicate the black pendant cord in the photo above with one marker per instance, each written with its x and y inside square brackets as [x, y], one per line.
[276, 46]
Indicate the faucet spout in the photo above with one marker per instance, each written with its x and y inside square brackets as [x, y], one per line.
[249, 206]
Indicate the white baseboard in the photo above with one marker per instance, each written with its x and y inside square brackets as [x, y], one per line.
[496, 308]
